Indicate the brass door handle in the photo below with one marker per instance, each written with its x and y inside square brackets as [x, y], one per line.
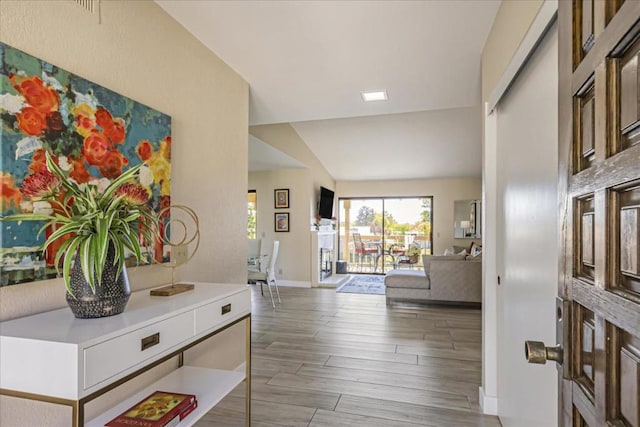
[537, 352]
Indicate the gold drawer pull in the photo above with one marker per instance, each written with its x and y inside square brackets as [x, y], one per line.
[150, 341]
[226, 309]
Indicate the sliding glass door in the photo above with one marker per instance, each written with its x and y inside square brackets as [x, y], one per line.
[384, 233]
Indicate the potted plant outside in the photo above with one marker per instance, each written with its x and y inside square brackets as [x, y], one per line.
[96, 229]
[413, 253]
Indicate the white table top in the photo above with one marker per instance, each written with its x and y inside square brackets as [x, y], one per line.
[142, 309]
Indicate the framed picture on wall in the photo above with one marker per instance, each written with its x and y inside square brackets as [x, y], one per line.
[282, 221]
[281, 198]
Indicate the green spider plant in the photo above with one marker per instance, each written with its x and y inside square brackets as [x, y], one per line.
[91, 221]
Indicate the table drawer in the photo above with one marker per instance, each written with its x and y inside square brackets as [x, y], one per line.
[215, 314]
[116, 355]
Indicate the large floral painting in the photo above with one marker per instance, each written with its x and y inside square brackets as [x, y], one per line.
[93, 133]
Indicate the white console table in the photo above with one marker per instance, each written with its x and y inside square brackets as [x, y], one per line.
[54, 357]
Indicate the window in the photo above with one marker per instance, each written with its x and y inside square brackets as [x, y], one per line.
[252, 214]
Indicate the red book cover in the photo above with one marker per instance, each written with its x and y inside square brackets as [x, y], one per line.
[189, 409]
[160, 409]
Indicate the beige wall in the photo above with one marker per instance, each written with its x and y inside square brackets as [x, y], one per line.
[444, 191]
[295, 247]
[294, 255]
[509, 28]
[139, 51]
[284, 138]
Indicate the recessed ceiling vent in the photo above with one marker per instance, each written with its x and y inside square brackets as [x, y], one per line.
[88, 5]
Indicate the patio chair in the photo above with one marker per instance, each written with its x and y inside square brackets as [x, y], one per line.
[268, 277]
[397, 253]
[362, 250]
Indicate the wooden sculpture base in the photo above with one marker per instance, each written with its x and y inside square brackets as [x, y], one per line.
[169, 290]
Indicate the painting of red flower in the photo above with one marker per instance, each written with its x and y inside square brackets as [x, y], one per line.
[92, 133]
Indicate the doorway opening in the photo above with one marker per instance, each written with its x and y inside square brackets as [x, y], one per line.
[378, 234]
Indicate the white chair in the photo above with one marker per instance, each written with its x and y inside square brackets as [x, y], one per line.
[254, 259]
[268, 277]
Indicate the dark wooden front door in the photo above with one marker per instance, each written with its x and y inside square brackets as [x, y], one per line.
[599, 131]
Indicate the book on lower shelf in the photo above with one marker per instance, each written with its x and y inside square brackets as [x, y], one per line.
[159, 409]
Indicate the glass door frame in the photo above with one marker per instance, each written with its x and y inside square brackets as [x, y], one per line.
[383, 236]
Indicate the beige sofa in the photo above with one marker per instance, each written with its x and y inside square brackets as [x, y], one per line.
[452, 278]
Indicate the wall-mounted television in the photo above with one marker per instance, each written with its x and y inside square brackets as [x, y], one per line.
[325, 205]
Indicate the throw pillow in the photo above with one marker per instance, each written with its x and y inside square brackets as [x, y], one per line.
[474, 246]
[448, 251]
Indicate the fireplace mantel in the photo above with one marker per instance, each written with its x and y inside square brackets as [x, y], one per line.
[322, 256]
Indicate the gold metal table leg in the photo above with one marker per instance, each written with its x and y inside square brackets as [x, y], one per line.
[248, 372]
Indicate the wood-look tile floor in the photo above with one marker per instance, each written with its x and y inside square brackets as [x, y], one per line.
[323, 358]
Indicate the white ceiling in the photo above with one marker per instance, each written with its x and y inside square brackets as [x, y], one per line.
[307, 61]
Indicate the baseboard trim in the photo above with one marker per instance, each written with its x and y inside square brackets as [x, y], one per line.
[489, 404]
[294, 283]
[332, 282]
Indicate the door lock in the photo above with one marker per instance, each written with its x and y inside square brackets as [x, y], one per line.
[537, 352]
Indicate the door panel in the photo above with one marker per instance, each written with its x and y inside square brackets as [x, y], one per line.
[584, 143]
[585, 343]
[625, 201]
[626, 374]
[625, 75]
[599, 164]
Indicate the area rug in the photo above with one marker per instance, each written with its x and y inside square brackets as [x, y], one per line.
[363, 284]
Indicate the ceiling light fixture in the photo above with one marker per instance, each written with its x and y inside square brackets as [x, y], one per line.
[378, 95]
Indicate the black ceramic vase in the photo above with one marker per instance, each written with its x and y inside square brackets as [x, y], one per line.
[110, 297]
